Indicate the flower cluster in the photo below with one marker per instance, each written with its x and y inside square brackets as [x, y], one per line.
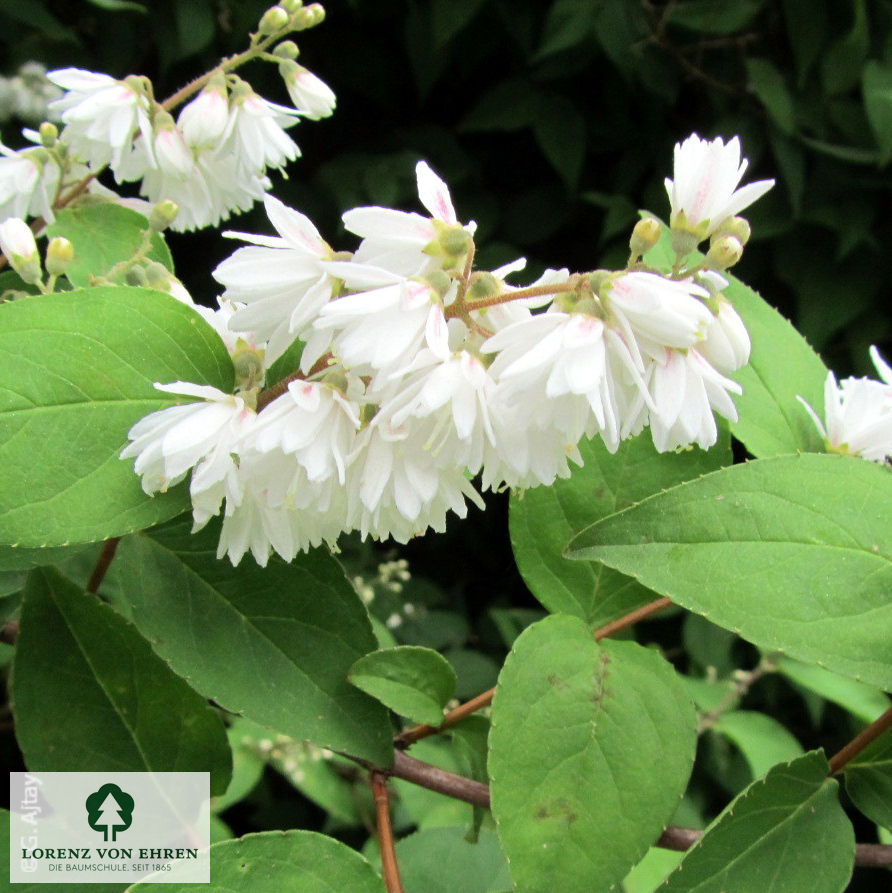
[211, 160]
[858, 414]
[417, 373]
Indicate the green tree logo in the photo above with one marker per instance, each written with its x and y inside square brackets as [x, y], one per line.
[109, 810]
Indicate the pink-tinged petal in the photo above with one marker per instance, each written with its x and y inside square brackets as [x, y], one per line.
[434, 194]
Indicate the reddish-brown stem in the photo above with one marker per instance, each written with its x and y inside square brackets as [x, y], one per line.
[103, 562]
[9, 632]
[860, 741]
[389, 866]
[631, 618]
[435, 779]
[264, 398]
[532, 292]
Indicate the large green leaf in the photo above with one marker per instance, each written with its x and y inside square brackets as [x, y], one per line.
[125, 710]
[104, 235]
[784, 834]
[761, 739]
[274, 643]
[877, 88]
[782, 367]
[414, 682]
[78, 373]
[590, 751]
[282, 862]
[869, 780]
[544, 519]
[793, 553]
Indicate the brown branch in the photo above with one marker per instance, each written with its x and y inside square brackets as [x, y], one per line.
[435, 779]
[9, 632]
[389, 867]
[860, 741]
[631, 618]
[103, 562]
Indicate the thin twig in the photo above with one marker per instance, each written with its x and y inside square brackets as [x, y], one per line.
[743, 682]
[389, 867]
[631, 618]
[435, 779]
[9, 632]
[860, 741]
[103, 562]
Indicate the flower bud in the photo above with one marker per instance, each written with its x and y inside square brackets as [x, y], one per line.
[645, 235]
[309, 17]
[733, 226]
[291, 6]
[17, 243]
[247, 362]
[454, 241]
[724, 253]
[136, 276]
[439, 281]
[287, 49]
[163, 214]
[49, 133]
[58, 255]
[275, 19]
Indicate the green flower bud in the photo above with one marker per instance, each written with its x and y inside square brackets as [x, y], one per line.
[156, 275]
[49, 133]
[247, 362]
[287, 49]
[645, 235]
[455, 242]
[275, 19]
[136, 276]
[291, 6]
[724, 253]
[58, 255]
[163, 214]
[684, 241]
[484, 285]
[309, 17]
[734, 226]
[439, 281]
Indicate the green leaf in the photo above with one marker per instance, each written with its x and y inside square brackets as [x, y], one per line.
[282, 862]
[125, 710]
[711, 17]
[104, 235]
[784, 834]
[274, 643]
[869, 780]
[13, 558]
[449, 17]
[560, 131]
[247, 765]
[768, 84]
[806, 28]
[782, 367]
[119, 5]
[863, 701]
[412, 681]
[80, 369]
[876, 84]
[590, 751]
[841, 63]
[544, 519]
[789, 553]
[568, 24]
[651, 871]
[441, 860]
[510, 105]
[761, 739]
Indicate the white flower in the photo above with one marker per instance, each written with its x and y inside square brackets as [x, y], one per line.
[727, 342]
[311, 96]
[280, 279]
[203, 436]
[407, 243]
[203, 121]
[858, 414]
[884, 370]
[102, 117]
[255, 132]
[17, 243]
[685, 390]
[703, 193]
[27, 184]
[658, 312]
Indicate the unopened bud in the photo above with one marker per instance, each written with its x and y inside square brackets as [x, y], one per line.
[17, 243]
[724, 253]
[484, 285]
[156, 275]
[136, 276]
[291, 6]
[247, 363]
[49, 133]
[275, 19]
[455, 241]
[598, 279]
[645, 235]
[162, 215]
[287, 49]
[734, 226]
[58, 255]
[309, 17]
